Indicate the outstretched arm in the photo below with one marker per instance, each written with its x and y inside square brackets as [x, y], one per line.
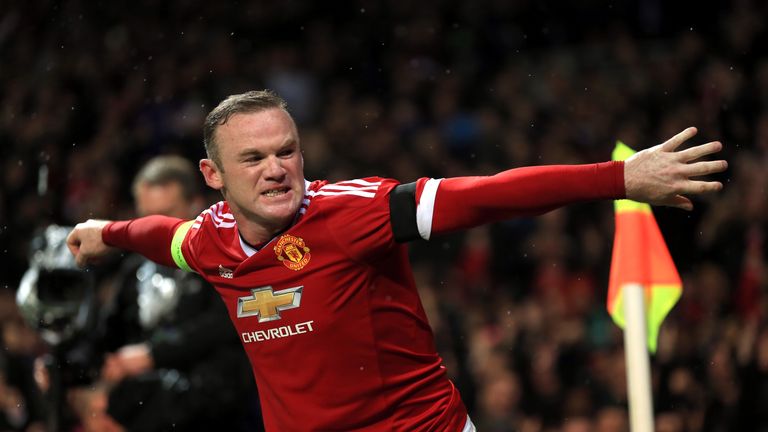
[150, 236]
[658, 175]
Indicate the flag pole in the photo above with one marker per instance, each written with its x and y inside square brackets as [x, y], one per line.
[637, 361]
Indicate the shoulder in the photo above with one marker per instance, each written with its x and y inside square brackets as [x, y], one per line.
[215, 222]
[355, 192]
[213, 237]
[217, 215]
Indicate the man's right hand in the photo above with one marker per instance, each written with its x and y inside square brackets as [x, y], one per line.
[85, 241]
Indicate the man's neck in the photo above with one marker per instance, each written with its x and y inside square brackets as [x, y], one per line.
[257, 235]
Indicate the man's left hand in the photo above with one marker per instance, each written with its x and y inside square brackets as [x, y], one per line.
[661, 175]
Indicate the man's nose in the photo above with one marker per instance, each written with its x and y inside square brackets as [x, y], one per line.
[274, 168]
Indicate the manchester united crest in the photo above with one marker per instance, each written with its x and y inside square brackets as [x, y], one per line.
[292, 252]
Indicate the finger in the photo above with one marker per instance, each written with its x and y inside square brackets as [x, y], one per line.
[674, 142]
[694, 153]
[700, 187]
[680, 202]
[705, 168]
[81, 260]
[73, 243]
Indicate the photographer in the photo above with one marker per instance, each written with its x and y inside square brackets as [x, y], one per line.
[173, 359]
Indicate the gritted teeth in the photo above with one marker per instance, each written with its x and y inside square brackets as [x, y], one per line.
[275, 192]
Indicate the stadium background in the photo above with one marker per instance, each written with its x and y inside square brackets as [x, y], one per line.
[406, 89]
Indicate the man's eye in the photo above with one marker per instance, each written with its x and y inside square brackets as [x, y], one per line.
[285, 153]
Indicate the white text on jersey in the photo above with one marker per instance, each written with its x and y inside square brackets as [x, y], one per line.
[277, 332]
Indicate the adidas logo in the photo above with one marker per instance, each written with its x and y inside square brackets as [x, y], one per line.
[225, 272]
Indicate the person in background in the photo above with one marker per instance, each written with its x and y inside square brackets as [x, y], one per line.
[173, 360]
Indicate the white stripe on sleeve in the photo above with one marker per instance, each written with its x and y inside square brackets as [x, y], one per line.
[425, 208]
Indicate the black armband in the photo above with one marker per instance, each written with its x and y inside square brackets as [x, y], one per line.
[402, 213]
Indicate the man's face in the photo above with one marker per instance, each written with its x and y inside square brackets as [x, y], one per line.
[262, 170]
[163, 199]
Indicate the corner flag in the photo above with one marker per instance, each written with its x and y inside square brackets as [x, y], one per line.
[640, 256]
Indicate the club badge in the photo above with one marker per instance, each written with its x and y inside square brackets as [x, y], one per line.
[292, 252]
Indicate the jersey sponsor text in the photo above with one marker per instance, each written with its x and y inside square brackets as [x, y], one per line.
[277, 332]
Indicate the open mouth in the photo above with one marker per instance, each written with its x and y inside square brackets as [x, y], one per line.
[271, 193]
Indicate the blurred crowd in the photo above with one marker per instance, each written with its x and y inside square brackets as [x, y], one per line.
[89, 91]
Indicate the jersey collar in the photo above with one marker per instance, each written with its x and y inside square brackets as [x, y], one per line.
[251, 251]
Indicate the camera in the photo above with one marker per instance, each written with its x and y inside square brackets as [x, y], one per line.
[55, 297]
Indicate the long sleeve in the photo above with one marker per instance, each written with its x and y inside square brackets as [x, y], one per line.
[150, 236]
[445, 205]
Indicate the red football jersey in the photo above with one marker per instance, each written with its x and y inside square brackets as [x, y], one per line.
[329, 315]
[328, 310]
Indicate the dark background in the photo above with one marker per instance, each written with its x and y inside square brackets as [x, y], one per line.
[90, 90]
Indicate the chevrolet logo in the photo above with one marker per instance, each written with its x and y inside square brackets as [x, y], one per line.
[266, 304]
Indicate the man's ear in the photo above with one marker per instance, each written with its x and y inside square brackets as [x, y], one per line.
[211, 173]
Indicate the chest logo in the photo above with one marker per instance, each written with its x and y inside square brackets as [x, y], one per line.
[267, 304]
[292, 252]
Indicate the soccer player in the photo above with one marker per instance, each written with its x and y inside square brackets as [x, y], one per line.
[315, 275]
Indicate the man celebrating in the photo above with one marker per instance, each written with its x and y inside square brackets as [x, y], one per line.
[315, 275]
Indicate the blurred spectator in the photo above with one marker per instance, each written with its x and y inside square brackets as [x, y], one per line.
[174, 360]
[21, 405]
